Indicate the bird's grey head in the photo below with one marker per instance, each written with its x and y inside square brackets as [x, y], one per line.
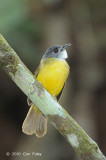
[57, 52]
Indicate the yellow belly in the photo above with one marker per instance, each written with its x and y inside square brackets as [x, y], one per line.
[52, 74]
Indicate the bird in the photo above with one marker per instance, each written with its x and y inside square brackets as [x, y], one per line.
[52, 73]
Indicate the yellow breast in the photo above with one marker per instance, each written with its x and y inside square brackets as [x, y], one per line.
[53, 73]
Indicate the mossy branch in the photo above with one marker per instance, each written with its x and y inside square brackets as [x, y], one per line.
[86, 148]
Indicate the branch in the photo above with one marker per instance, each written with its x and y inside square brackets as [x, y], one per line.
[86, 148]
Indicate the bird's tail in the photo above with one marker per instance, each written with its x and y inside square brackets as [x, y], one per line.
[35, 122]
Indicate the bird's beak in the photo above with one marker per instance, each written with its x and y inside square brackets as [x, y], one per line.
[65, 46]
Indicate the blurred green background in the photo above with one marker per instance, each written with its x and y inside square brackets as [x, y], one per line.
[30, 27]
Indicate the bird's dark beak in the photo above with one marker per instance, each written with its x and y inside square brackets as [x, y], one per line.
[65, 46]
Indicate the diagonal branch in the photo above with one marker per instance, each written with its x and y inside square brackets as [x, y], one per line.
[86, 148]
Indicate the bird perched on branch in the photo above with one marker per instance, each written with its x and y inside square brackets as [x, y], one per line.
[52, 72]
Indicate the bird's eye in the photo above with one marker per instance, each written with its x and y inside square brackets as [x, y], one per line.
[55, 50]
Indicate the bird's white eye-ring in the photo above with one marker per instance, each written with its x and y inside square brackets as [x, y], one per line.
[55, 50]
